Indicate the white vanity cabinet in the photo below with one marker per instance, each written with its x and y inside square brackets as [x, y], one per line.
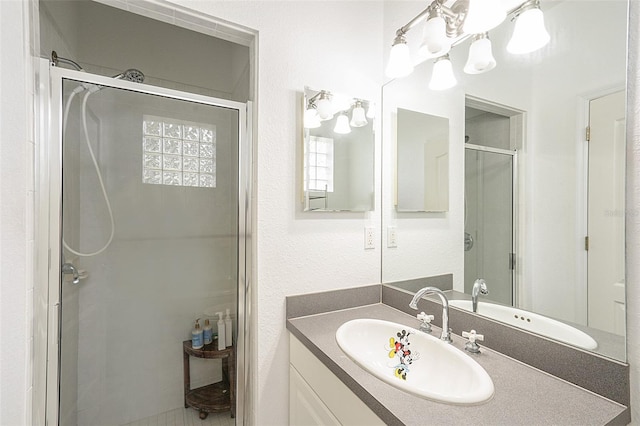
[318, 397]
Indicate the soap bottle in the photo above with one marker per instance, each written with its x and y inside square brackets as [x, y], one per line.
[221, 338]
[197, 341]
[227, 330]
[207, 332]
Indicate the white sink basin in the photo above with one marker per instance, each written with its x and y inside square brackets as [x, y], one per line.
[415, 361]
[531, 322]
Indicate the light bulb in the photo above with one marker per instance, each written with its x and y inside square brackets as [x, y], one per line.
[358, 118]
[342, 125]
[311, 118]
[434, 35]
[400, 64]
[371, 111]
[480, 55]
[442, 77]
[529, 33]
[325, 109]
[483, 15]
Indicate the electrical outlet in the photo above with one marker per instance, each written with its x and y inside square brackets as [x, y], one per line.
[369, 235]
[392, 237]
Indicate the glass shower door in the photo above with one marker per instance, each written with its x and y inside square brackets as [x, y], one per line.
[489, 211]
[150, 235]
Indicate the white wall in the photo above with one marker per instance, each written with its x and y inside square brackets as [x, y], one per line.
[16, 215]
[427, 243]
[555, 163]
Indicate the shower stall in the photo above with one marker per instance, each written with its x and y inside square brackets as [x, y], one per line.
[489, 204]
[489, 229]
[148, 201]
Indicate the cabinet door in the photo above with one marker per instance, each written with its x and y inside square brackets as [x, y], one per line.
[305, 407]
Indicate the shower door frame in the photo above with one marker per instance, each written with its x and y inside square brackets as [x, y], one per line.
[50, 221]
[514, 211]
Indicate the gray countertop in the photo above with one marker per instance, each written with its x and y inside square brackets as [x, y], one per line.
[523, 395]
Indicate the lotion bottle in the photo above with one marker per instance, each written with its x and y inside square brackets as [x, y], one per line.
[228, 330]
[207, 332]
[197, 341]
[221, 338]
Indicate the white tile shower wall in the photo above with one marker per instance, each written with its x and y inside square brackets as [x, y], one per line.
[52, 34]
[216, 71]
[336, 45]
[488, 130]
[172, 259]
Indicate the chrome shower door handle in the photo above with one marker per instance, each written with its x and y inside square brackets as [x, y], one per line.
[68, 268]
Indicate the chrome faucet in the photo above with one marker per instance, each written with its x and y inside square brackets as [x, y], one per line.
[446, 331]
[479, 287]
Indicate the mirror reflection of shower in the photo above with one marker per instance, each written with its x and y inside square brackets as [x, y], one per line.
[489, 232]
[468, 238]
[133, 75]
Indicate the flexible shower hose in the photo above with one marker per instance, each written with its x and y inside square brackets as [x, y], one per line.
[95, 165]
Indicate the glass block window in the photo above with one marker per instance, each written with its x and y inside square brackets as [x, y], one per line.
[178, 153]
[318, 164]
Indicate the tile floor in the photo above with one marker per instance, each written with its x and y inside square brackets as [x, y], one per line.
[185, 417]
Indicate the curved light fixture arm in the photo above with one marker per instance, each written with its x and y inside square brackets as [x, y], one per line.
[311, 102]
[530, 4]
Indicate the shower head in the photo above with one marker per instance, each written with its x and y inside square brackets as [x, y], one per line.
[131, 75]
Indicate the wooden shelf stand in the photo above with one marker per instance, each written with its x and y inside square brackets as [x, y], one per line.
[216, 397]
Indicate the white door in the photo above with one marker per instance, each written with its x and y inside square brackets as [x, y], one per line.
[605, 256]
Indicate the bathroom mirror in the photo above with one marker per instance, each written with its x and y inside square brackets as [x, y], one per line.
[338, 153]
[422, 166]
[523, 201]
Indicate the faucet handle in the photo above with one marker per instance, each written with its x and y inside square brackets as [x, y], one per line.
[425, 321]
[472, 345]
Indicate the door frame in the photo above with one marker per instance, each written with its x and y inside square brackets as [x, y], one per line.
[49, 221]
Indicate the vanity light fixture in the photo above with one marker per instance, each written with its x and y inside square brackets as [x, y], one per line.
[358, 117]
[529, 33]
[435, 42]
[448, 26]
[342, 124]
[442, 77]
[480, 55]
[324, 105]
[325, 109]
[400, 64]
